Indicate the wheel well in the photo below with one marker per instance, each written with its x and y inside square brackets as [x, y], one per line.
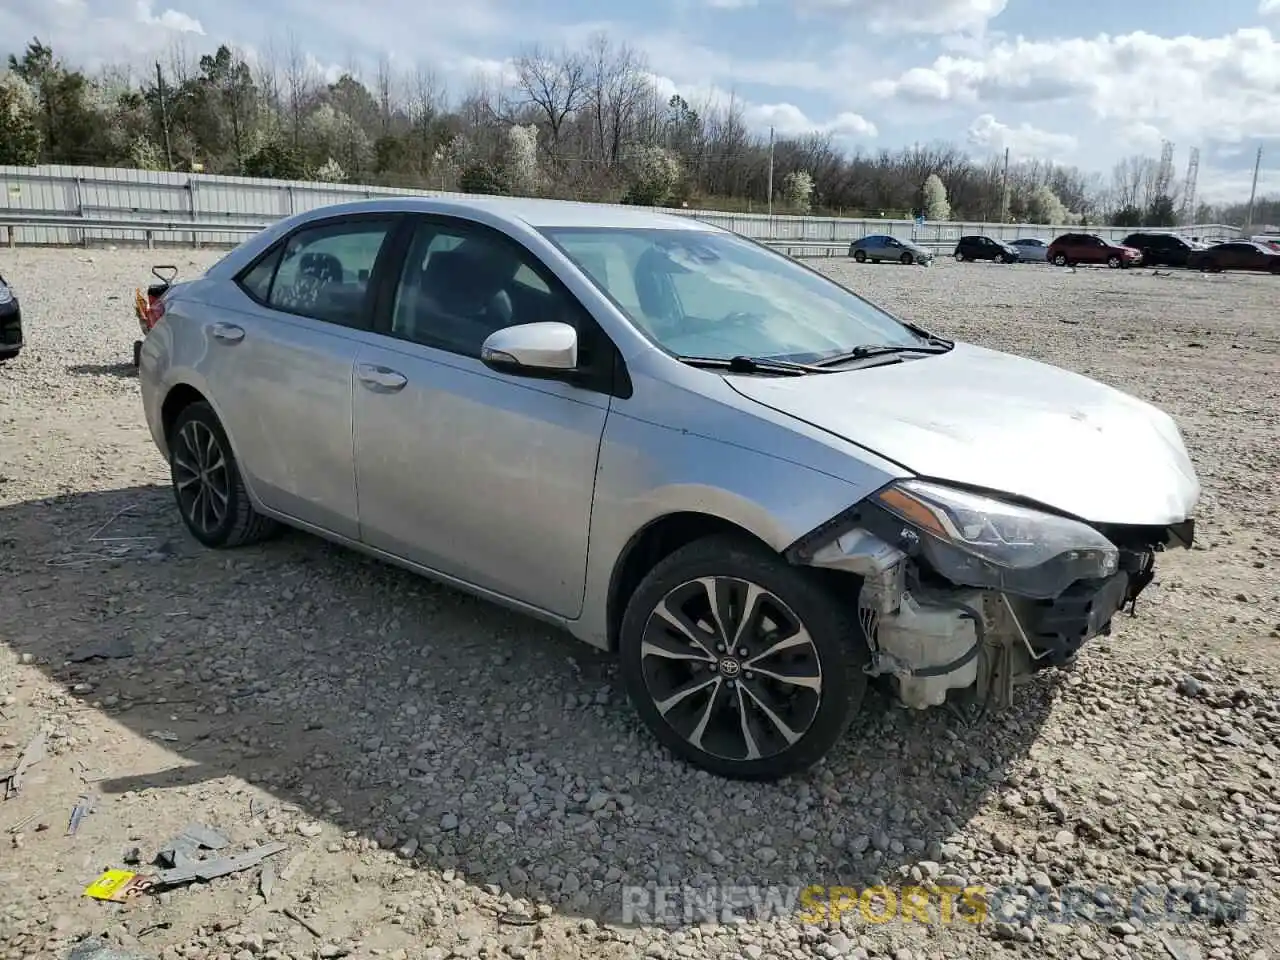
[650, 546]
[178, 399]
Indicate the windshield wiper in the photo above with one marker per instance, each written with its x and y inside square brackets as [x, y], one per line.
[931, 337]
[741, 364]
[877, 350]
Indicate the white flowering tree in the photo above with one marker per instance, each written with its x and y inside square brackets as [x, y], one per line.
[337, 138]
[19, 133]
[797, 190]
[1043, 206]
[936, 206]
[523, 174]
[331, 172]
[449, 159]
[652, 172]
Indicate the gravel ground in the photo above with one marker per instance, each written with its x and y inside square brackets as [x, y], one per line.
[453, 780]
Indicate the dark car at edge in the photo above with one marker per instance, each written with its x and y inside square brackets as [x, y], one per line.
[10, 322]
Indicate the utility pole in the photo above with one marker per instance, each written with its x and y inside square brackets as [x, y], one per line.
[1253, 192]
[164, 117]
[1004, 189]
[771, 171]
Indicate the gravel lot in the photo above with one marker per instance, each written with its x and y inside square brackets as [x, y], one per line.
[454, 780]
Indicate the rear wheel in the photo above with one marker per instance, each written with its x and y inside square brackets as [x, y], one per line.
[740, 663]
[960, 257]
[860, 256]
[1060, 260]
[207, 484]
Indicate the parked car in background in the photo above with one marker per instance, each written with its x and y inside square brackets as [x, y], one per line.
[1071, 249]
[529, 392]
[10, 322]
[1031, 248]
[1236, 255]
[977, 247]
[879, 248]
[1160, 249]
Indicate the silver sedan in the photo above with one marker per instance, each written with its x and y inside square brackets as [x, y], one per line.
[1031, 248]
[753, 486]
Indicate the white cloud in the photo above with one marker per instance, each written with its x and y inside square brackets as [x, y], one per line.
[936, 17]
[169, 19]
[1268, 7]
[788, 120]
[989, 134]
[1192, 87]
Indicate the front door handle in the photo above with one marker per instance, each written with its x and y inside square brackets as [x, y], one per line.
[228, 332]
[381, 379]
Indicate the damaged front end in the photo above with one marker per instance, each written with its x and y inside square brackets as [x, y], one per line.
[964, 591]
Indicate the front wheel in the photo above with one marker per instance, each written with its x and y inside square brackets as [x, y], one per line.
[960, 257]
[740, 663]
[906, 259]
[1060, 260]
[1114, 263]
[860, 256]
[207, 484]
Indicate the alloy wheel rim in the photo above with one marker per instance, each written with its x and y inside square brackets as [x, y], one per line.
[201, 477]
[731, 668]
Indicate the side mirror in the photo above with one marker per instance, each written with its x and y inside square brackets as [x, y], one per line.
[531, 349]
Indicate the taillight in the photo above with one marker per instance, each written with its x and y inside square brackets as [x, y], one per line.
[155, 310]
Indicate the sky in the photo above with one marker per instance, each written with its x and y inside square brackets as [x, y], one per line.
[1086, 82]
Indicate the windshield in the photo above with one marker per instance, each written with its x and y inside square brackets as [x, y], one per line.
[717, 295]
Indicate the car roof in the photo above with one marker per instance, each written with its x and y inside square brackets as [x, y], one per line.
[532, 211]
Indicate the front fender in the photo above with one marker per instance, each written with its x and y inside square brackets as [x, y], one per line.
[647, 472]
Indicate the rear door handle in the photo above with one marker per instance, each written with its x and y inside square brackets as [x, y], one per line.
[227, 332]
[380, 379]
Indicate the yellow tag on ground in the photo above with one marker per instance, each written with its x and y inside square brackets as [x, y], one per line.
[109, 885]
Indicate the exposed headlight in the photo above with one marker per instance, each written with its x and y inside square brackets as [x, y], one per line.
[979, 541]
[5, 295]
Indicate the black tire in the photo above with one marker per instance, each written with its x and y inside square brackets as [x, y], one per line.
[906, 260]
[836, 647]
[1060, 260]
[860, 256]
[960, 257]
[1114, 262]
[137, 354]
[238, 523]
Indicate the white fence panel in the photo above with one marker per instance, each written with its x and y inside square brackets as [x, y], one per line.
[104, 193]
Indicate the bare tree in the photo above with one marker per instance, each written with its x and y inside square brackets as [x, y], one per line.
[553, 84]
[617, 90]
[300, 82]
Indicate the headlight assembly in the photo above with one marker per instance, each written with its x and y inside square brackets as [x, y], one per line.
[979, 541]
[5, 295]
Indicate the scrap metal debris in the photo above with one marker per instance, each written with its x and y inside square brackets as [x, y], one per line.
[84, 807]
[116, 649]
[303, 922]
[32, 753]
[180, 862]
[95, 948]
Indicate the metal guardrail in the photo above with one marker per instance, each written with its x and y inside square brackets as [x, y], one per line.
[11, 222]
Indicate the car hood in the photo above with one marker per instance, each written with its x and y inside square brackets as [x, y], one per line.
[1004, 423]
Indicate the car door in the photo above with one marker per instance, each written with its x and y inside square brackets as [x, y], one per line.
[482, 476]
[278, 366]
[891, 249]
